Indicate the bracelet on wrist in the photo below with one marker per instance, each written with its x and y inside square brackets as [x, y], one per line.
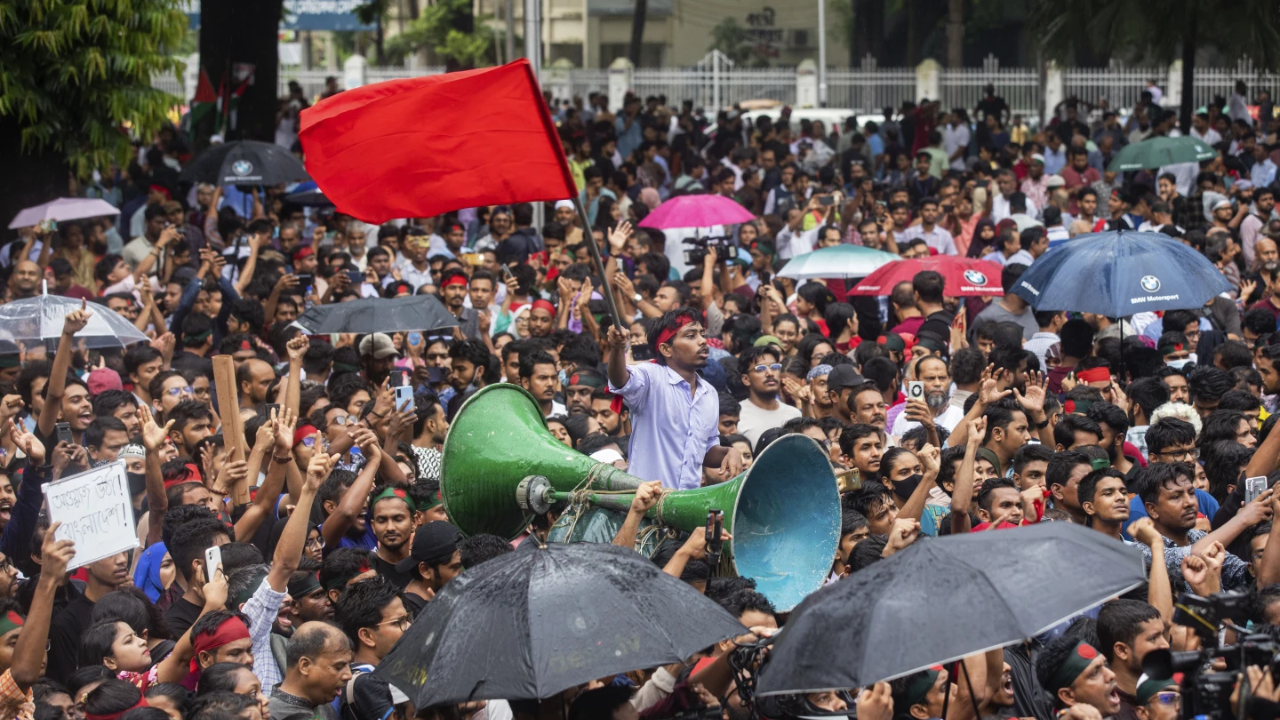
[284, 459]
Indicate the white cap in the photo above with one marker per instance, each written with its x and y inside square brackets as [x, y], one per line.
[564, 204]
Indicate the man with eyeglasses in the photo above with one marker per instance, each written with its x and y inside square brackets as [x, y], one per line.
[167, 389]
[761, 368]
[373, 615]
[1171, 440]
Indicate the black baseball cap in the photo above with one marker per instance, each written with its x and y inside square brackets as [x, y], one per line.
[436, 539]
[844, 376]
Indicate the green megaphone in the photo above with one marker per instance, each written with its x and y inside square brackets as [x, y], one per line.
[499, 458]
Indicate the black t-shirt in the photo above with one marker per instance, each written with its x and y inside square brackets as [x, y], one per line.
[992, 106]
[64, 637]
[939, 324]
[181, 615]
[413, 603]
[388, 570]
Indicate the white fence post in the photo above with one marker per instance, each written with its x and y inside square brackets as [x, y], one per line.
[1053, 87]
[807, 84]
[619, 82]
[928, 80]
[191, 77]
[1173, 97]
[355, 72]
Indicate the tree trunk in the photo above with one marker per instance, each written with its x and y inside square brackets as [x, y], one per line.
[909, 9]
[955, 33]
[29, 179]
[1188, 77]
[378, 42]
[244, 31]
[637, 32]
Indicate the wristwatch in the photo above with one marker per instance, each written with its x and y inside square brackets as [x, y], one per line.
[636, 298]
[1043, 425]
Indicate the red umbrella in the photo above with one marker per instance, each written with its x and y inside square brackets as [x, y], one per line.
[964, 277]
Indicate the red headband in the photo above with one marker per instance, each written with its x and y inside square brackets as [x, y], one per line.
[543, 304]
[615, 404]
[455, 280]
[230, 630]
[1069, 406]
[192, 476]
[302, 252]
[142, 702]
[668, 333]
[1098, 374]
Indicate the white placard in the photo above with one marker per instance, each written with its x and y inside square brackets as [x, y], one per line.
[96, 512]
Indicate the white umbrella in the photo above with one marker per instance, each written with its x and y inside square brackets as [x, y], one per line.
[839, 261]
[38, 320]
[63, 209]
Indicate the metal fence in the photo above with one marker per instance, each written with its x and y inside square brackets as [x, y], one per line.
[866, 89]
[870, 89]
[1021, 88]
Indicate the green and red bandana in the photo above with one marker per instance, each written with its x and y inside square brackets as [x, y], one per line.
[1081, 656]
[590, 380]
[10, 621]
[918, 689]
[435, 501]
[395, 492]
[1171, 348]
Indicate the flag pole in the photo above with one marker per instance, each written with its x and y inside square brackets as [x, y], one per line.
[599, 263]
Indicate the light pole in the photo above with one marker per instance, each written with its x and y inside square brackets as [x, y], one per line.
[822, 53]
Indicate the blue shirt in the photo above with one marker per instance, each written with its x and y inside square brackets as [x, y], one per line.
[1208, 507]
[672, 427]
[628, 138]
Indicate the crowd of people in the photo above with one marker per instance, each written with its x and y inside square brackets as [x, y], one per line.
[941, 415]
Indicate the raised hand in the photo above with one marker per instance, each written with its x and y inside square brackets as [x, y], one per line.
[297, 347]
[904, 532]
[319, 467]
[284, 427]
[977, 431]
[618, 238]
[27, 443]
[647, 496]
[56, 554]
[215, 591]
[76, 320]
[990, 393]
[153, 436]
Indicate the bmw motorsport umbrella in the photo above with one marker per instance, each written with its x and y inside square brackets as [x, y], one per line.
[1120, 273]
[963, 277]
[537, 621]
[247, 162]
[943, 599]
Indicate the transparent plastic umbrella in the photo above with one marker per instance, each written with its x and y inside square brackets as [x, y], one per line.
[38, 321]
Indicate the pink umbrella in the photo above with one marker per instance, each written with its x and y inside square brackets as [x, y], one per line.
[63, 209]
[697, 211]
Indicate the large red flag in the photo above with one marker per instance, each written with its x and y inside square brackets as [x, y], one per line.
[424, 146]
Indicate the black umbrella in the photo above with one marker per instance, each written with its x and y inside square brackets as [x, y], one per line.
[532, 623]
[246, 162]
[943, 599]
[369, 315]
[314, 197]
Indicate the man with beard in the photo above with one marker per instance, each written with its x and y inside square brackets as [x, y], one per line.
[25, 280]
[453, 290]
[762, 374]
[538, 375]
[934, 410]
[675, 412]
[392, 510]
[583, 383]
[867, 406]
[1077, 677]
[611, 412]
[468, 362]
[434, 561]
[1127, 631]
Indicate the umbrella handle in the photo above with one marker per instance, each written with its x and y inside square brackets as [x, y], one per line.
[595, 260]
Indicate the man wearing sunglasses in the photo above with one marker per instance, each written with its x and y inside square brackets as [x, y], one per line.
[761, 368]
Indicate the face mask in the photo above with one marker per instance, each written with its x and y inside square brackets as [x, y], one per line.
[137, 482]
[564, 378]
[1179, 364]
[907, 486]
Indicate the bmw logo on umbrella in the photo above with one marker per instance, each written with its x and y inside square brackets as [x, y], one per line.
[242, 167]
[976, 277]
[1150, 283]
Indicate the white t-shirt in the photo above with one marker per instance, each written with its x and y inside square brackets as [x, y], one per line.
[955, 137]
[754, 420]
[946, 422]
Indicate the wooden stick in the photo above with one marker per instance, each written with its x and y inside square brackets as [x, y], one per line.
[224, 379]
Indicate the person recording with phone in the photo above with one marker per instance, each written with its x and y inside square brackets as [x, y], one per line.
[674, 412]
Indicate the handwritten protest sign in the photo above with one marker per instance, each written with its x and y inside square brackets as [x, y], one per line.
[96, 513]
